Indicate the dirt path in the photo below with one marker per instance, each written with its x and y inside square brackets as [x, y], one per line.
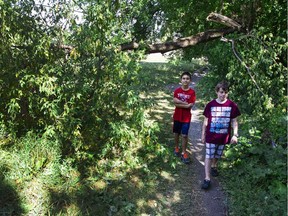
[194, 200]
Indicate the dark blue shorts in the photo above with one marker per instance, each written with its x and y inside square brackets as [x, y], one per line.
[181, 128]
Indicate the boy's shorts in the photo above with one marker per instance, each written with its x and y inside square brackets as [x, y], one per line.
[214, 150]
[181, 127]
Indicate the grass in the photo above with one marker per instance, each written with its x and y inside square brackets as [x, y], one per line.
[36, 180]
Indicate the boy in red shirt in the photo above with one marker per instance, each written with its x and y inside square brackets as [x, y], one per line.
[220, 116]
[184, 99]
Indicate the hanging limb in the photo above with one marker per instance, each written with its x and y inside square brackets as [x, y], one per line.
[224, 20]
[242, 62]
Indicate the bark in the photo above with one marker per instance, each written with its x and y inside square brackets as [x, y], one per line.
[181, 43]
[214, 17]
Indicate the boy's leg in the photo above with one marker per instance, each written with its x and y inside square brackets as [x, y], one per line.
[184, 131]
[207, 168]
[184, 143]
[209, 155]
[176, 131]
[206, 183]
[184, 156]
[214, 170]
[176, 140]
[217, 155]
[209, 158]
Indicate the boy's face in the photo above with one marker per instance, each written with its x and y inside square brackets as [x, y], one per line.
[185, 80]
[222, 95]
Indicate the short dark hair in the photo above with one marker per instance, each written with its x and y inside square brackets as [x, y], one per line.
[224, 85]
[186, 73]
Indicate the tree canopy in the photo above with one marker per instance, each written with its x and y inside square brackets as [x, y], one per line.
[59, 58]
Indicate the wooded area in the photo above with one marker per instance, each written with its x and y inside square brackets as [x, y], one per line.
[73, 105]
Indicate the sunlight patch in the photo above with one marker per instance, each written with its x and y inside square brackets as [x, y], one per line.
[167, 176]
[176, 196]
[100, 185]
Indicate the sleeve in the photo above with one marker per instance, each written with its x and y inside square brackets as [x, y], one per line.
[193, 96]
[236, 112]
[206, 112]
[175, 93]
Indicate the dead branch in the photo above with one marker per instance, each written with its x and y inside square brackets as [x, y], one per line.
[214, 17]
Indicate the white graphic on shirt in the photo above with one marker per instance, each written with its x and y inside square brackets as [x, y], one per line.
[183, 97]
[220, 119]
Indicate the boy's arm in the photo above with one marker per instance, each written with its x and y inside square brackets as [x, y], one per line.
[234, 138]
[182, 104]
[205, 123]
[178, 101]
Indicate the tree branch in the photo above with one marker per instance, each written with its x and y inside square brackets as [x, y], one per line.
[181, 42]
[202, 37]
[214, 17]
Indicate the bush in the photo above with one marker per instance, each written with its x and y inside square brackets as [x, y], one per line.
[255, 177]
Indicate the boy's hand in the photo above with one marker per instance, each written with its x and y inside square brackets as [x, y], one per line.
[234, 140]
[190, 105]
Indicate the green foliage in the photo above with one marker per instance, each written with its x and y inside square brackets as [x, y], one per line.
[255, 169]
[255, 173]
[69, 108]
[73, 115]
[31, 155]
[75, 96]
[110, 179]
[185, 18]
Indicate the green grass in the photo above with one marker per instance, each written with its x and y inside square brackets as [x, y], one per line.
[37, 180]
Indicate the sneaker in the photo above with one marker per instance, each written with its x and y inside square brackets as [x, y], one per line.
[214, 172]
[206, 184]
[185, 158]
[177, 152]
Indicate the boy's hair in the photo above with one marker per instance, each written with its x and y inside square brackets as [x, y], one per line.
[186, 73]
[224, 85]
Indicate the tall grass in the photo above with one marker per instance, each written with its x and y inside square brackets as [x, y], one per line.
[29, 165]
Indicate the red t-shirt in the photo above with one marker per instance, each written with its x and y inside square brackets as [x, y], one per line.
[189, 96]
[219, 121]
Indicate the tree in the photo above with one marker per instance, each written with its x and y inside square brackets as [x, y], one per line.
[43, 81]
[74, 95]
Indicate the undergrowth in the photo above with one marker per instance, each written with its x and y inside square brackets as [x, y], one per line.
[43, 175]
[38, 178]
[255, 178]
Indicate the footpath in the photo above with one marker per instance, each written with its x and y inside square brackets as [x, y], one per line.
[194, 200]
